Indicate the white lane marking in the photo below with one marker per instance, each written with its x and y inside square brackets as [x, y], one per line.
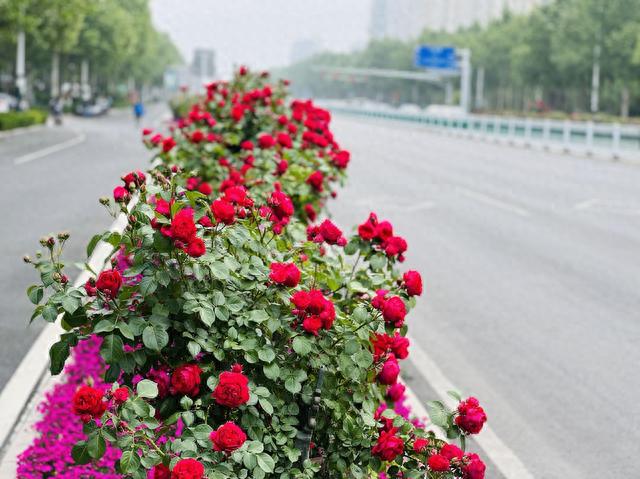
[489, 200]
[49, 150]
[585, 205]
[496, 450]
[17, 391]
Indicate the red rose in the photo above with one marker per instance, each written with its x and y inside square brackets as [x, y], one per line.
[395, 246]
[109, 283]
[420, 444]
[312, 324]
[381, 343]
[315, 179]
[471, 416]
[120, 194]
[159, 472]
[284, 140]
[394, 311]
[88, 404]
[330, 232]
[196, 247]
[395, 392]
[379, 299]
[310, 212]
[341, 159]
[120, 395]
[281, 167]
[223, 211]
[450, 451]
[182, 226]
[389, 446]
[90, 287]
[281, 204]
[232, 389]
[475, 469]
[384, 231]
[197, 136]
[205, 189]
[286, 274]
[438, 463]
[400, 346]
[228, 437]
[413, 283]
[192, 183]
[247, 145]
[390, 370]
[185, 380]
[266, 141]
[162, 379]
[168, 144]
[187, 469]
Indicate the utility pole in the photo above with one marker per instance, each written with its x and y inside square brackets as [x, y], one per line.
[465, 79]
[595, 80]
[480, 88]
[21, 79]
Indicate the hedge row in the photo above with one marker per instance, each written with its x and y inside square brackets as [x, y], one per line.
[243, 335]
[18, 119]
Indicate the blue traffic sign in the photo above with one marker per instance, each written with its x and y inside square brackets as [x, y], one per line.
[432, 56]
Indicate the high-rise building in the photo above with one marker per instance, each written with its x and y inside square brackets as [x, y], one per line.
[405, 19]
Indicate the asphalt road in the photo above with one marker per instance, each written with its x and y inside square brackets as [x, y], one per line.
[531, 264]
[52, 193]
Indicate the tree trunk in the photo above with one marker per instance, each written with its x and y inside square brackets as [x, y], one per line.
[55, 75]
[624, 104]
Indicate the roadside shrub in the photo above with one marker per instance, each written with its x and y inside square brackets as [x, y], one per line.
[18, 119]
[244, 335]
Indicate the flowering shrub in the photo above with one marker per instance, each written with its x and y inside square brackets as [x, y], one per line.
[240, 338]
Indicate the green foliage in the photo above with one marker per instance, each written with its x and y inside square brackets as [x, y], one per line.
[18, 119]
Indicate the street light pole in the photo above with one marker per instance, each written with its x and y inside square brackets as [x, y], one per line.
[465, 79]
[21, 80]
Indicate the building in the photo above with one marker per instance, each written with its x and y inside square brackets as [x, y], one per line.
[203, 65]
[405, 19]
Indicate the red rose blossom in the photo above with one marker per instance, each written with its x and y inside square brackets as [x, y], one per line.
[286, 274]
[232, 389]
[223, 211]
[109, 283]
[394, 311]
[400, 346]
[187, 469]
[395, 392]
[475, 468]
[88, 404]
[390, 370]
[185, 380]
[389, 446]
[420, 444]
[182, 226]
[438, 463]
[228, 437]
[450, 451]
[412, 283]
[315, 179]
[120, 194]
[195, 248]
[120, 395]
[471, 417]
[159, 472]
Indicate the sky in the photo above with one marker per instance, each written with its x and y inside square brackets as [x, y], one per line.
[261, 33]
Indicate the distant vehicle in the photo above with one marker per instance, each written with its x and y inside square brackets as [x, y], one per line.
[7, 102]
[99, 106]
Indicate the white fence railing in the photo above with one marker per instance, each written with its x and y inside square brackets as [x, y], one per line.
[603, 139]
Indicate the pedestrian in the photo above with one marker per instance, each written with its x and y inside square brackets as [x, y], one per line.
[56, 106]
[138, 110]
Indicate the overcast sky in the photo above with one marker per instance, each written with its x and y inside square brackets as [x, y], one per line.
[260, 33]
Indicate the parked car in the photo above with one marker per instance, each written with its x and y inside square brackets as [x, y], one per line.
[7, 102]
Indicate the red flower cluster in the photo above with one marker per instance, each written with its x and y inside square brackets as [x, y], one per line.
[232, 389]
[450, 456]
[278, 210]
[471, 417]
[315, 311]
[88, 404]
[326, 232]
[185, 380]
[388, 446]
[286, 274]
[235, 201]
[197, 184]
[384, 344]
[393, 308]
[412, 282]
[182, 230]
[381, 236]
[228, 437]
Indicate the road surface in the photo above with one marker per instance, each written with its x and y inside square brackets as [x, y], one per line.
[531, 263]
[51, 181]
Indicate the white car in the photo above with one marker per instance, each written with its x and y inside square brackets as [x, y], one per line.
[7, 102]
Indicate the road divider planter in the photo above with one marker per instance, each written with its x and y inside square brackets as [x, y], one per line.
[239, 333]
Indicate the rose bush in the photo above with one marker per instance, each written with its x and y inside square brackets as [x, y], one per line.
[243, 337]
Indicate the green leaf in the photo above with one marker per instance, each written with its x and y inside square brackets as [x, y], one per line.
[201, 432]
[80, 453]
[267, 354]
[112, 349]
[219, 270]
[455, 395]
[438, 413]
[92, 244]
[207, 316]
[258, 315]
[147, 389]
[155, 337]
[70, 304]
[266, 405]
[271, 371]
[265, 462]
[129, 461]
[147, 285]
[35, 293]
[104, 326]
[301, 345]
[58, 354]
[97, 446]
[378, 261]
[292, 385]
[50, 313]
